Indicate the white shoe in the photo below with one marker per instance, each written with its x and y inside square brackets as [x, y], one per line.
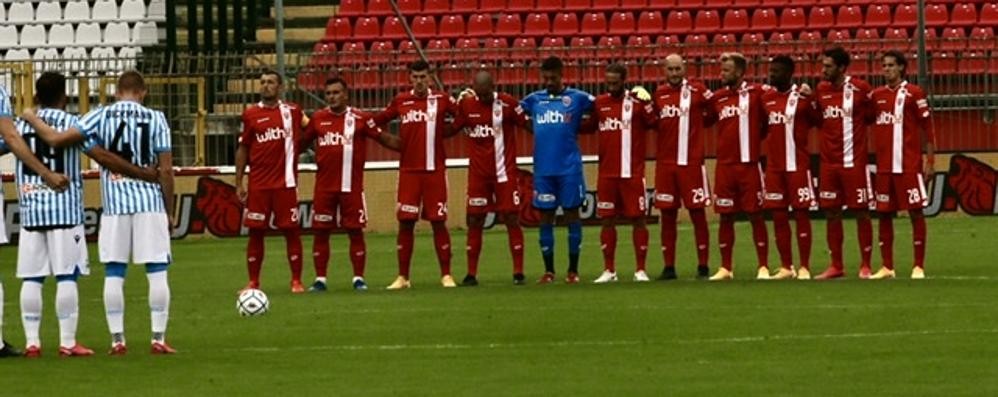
[763, 274]
[606, 277]
[640, 276]
[722, 274]
[803, 274]
[917, 273]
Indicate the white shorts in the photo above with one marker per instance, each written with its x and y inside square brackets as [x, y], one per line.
[58, 252]
[145, 235]
[3, 221]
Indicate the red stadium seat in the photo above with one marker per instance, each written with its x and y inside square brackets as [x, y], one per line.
[665, 45]
[867, 40]
[524, 48]
[621, 23]
[593, 23]
[725, 42]
[379, 8]
[338, 29]
[678, 22]
[878, 16]
[519, 6]
[366, 29]
[953, 39]
[452, 26]
[849, 17]
[464, 6]
[410, 7]
[778, 3]
[492, 6]
[793, 19]
[509, 25]
[606, 5]
[821, 18]
[735, 20]
[963, 15]
[936, 15]
[549, 6]
[972, 63]
[811, 42]
[696, 44]
[552, 46]
[351, 8]
[896, 38]
[839, 35]
[781, 43]
[407, 54]
[565, 24]
[763, 19]
[537, 25]
[989, 15]
[381, 51]
[424, 27]
[578, 5]
[905, 16]
[610, 47]
[582, 48]
[941, 63]
[436, 7]
[707, 21]
[438, 50]
[746, 3]
[467, 49]
[495, 49]
[634, 5]
[353, 53]
[686, 4]
[480, 25]
[639, 47]
[982, 38]
[392, 29]
[323, 54]
[650, 22]
[752, 43]
[717, 3]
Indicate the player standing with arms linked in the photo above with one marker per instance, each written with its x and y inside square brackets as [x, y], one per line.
[556, 113]
[272, 130]
[134, 219]
[903, 126]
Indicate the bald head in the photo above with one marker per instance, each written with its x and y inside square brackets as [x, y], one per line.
[675, 69]
[484, 86]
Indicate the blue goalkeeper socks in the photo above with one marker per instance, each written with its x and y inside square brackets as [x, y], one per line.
[574, 245]
[547, 246]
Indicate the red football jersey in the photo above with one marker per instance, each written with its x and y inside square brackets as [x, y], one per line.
[741, 119]
[621, 124]
[491, 131]
[680, 113]
[791, 117]
[845, 112]
[423, 123]
[340, 148]
[271, 135]
[900, 113]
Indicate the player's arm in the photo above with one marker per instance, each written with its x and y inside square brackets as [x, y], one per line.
[527, 109]
[16, 145]
[928, 133]
[242, 157]
[166, 182]
[48, 134]
[710, 116]
[589, 125]
[118, 165]
[452, 128]
[390, 113]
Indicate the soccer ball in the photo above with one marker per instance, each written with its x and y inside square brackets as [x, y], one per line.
[252, 302]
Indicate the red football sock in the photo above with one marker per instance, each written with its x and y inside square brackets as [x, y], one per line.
[608, 243]
[441, 241]
[669, 220]
[887, 239]
[254, 254]
[781, 228]
[474, 249]
[292, 238]
[834, 238]
[320, 252]
[803, 237]
[358, 252]
[404, 250]
[515, 233]
[702, 235]
[864, 229]
[919, 235]
[761, 239]
[640, 237]
[726, 239]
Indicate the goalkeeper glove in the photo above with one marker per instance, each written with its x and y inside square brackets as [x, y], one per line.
[641, 93]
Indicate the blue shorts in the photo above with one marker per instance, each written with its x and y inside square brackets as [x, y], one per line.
[553, 191]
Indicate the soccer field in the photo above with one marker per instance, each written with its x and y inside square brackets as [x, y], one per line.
[746, 337]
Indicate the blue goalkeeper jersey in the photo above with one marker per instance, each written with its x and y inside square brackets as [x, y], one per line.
[556, 120]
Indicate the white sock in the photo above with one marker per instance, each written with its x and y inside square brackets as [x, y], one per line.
[114, 305]
[159, 303]
[67, 309]
[1, 315]
[31, 311]
[321, 279]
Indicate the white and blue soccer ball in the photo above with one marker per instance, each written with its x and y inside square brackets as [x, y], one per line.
[252, 302]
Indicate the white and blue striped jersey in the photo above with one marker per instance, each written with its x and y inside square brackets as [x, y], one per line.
[40, 205]
[5, 111]
[137, 134]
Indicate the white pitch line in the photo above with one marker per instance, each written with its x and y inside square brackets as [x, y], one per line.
[606, 343]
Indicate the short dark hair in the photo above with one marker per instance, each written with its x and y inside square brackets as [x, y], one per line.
[617, 68]
[131, 80]
[272, 72]
[337, 80]
[419, 66]
[738, 59]
[552, 64]
[898, 56]
[839, 56]
[50, 89]
[784, 60]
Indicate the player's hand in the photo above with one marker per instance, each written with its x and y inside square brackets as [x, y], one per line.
[57, 182]
[467, 93]
[641, 93]
[241, 192]
[805, 90]
[930, 171]
[29, 114]
[172, 224]
[150, 174]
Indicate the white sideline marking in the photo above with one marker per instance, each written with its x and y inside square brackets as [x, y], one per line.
[608, 343]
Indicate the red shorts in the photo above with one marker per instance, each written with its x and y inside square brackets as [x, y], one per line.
[422, 189]
[788, 189]
[850, 187]
[738, 188]
[281, 203]
[620, 196]
[681, 185]
[486, 195]
[900, 192]
[350, 208]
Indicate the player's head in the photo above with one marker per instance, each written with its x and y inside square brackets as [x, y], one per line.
[131, 86]
[894, 64]
[675, 69]
[551, 70]
[834, 62]
[733, 67]
[50, 90]
[484, 86]
[419, 76]
[616, 78]
[337, 95]
[781, 71]
[271, 84]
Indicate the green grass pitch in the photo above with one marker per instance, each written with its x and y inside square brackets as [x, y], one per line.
[848, 337]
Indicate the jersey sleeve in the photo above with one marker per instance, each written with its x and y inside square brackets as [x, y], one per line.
[460, 116]
[5, 108]
[390, 113]
[587, 100]
[527, 105]
[369, 127]
[161, 140]
[648, 114]
[246, 137]
[924, 113]
[309, 132]
[89, 126]
[518, 116]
